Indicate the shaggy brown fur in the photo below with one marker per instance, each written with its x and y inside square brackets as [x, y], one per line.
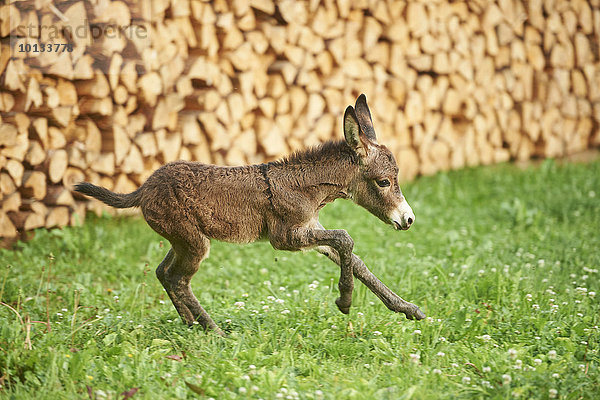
[189, 203]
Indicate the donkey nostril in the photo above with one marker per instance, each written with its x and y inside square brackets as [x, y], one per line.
[410, 221]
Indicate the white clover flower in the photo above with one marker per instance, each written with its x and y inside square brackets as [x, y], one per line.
[535, 306]
[466, 380]
[286, 311]
[255, 388]
[552, 393]
[417, 332]
[162, 302]
[486, 338]
[512, 353]
[376, 333]
[360, 314]
[528, 296]
[271, 298]
[582, 367]
[506, 379]
[245, 295]
[280, 301]
[537, 361]
[441, 354]
[239, 304]
[518, 364]
[592, 294]
[481, 272]
[333, 326]
[552, 355]
[267, 283]
[555, 375]
[318, 393]
[263, 271]
[367, 365]
[415, 358]
[442, 339]
[437, 371]
[486, 369]
[581, 290]
[245, 377]
[282, 289]
[265, 307]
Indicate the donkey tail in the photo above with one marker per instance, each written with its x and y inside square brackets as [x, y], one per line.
[113, 199]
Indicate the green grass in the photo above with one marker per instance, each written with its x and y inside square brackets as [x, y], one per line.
[503, 261]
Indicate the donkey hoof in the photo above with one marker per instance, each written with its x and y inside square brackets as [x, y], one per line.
[415, 314]
[345, 309]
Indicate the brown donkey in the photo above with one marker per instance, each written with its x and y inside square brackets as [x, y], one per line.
[188, 203]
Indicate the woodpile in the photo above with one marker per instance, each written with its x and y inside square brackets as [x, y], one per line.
[123, 87]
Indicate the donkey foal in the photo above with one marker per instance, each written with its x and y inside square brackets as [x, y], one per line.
[189, 203]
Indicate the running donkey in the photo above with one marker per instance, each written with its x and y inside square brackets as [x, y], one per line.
[189, 203]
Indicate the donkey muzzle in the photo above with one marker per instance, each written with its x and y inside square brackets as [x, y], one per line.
[402, 217]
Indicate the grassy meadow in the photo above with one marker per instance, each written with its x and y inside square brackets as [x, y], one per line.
[503, 261]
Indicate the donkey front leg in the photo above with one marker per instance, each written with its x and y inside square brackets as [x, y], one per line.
[387, 296]
[337, 239]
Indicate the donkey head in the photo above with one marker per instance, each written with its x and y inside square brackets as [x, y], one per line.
[376, 185]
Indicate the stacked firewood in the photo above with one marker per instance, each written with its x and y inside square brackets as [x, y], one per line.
[107, 91]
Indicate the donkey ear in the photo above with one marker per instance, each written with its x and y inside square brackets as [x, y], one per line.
[352, 132]
[364, 118]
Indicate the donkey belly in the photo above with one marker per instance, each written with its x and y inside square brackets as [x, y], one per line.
[236, 224]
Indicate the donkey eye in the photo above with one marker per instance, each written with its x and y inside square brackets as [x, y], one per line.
[383, 182]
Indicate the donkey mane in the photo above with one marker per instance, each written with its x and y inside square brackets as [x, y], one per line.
[327, 151]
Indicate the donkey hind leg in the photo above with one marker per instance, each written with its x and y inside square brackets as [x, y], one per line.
[387, 296]
[161, 274]
[176, 272]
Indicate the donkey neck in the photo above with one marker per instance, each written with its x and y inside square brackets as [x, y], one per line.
[328, 168]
